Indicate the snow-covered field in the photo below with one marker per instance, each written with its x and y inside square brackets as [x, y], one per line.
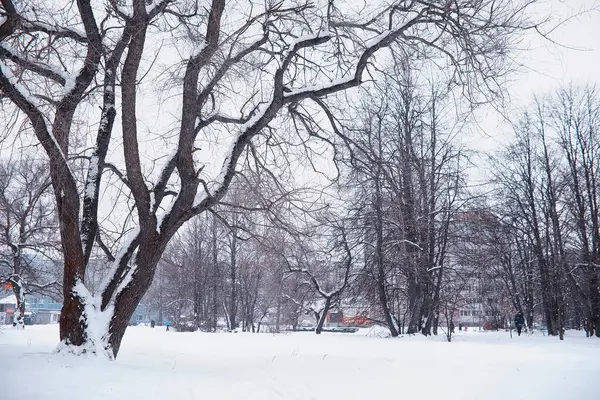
[154, 364]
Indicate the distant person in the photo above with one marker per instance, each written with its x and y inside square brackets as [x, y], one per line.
[460, 327]
[519, 322]
[152, 323]
[588, 326]
[452, 327]
[167, 323]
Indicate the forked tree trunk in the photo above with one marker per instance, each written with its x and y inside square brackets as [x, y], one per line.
[81, 329]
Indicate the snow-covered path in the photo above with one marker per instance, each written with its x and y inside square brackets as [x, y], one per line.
[154, 364]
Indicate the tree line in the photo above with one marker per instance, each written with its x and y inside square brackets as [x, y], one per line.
[418, 237]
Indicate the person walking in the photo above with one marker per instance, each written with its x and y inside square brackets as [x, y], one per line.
[519, 322]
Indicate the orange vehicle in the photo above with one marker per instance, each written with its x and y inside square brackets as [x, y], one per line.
[357, 319]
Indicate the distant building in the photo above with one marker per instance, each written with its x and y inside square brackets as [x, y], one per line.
[143, 315]
[37, 310]
[480, 297]
[45, 310]
[8, 305]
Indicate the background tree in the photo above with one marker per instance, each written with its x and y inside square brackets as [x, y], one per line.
[548, 179]
[405, 170]
[28, 232]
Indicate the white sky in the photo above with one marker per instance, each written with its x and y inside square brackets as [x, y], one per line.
[571, 55]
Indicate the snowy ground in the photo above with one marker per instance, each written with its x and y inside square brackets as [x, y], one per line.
[154, 364]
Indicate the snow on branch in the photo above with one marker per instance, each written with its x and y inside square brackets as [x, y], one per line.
[16, 85]
[44, 69]
[119, 271]
[56, 31]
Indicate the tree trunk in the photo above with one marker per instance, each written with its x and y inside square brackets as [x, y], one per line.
[19, 291]
[594, 284]
[381, 278]
[86, 332]
[127, 300]
[277, 316]
[415, 298]
[233, 277]
[215, 274]
[323, 316]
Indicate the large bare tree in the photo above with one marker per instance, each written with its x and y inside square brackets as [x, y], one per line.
[238, 68]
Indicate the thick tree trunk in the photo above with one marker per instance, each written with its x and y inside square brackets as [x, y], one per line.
[72, 324]
[79, 329]
[427, 313]
[128, 299]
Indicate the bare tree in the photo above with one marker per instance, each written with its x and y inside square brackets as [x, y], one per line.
[28, 231]
[405, 172]
[329, 274]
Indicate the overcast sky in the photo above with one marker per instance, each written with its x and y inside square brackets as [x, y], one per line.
[571, 54]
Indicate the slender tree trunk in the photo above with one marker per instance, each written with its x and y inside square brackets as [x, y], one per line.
[215, 275]
[381, 278]
[278, 315]
[323, 316]
[196, 296]
[233, 276]
[436, 300]
[19, 291]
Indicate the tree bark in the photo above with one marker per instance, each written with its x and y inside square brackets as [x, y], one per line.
[233, 276]
[323, 316]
